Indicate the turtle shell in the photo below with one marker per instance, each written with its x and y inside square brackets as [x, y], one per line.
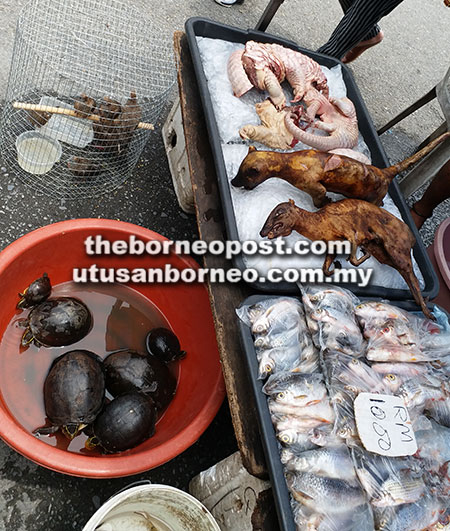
[125, 422]
[164, 345]
[38, 291]
[129, 370]
[59, 322]
[74, 389]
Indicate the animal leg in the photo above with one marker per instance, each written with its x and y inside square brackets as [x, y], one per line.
[313, 109]
[329, 259]
[273, 87]
[353, 259]
[344, 105]
[329, 128]
[260, 133]
[413, 284]
[297, 83]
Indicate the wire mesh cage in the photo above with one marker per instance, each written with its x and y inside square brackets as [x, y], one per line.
[87, 80]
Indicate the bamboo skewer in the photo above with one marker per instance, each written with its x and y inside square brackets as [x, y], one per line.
[68, 112]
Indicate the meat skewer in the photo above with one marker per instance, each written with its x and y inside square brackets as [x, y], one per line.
[69, 112]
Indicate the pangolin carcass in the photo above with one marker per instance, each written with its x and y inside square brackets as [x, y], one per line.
[377, 232]
[337, 117]
[266, 66]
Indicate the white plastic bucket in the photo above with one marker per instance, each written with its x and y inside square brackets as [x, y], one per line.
[167, 508]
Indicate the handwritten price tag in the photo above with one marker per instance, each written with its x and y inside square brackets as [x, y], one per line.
[384, 426]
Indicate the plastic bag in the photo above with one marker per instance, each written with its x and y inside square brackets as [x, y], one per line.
[330, 316]
[396, 335]
[281, 337]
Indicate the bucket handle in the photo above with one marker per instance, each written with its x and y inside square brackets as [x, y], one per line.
[131, 485]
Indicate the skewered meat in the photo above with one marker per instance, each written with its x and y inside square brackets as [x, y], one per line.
[114, 135]
[38, 117]
[317, 172]
[109, 109]
[377, 232]
[84, 106]
[82, 167]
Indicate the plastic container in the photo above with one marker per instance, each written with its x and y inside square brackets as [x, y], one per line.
[439, 253]
[74, 131]
[170, 509]
[200, 27]
[37, 153]
[269, 440]
[57, 249]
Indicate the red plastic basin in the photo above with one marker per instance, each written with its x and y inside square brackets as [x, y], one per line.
[57, 249]
[439, 253]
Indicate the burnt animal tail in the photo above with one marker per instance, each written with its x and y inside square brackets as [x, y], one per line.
[392, 171]
[413, 285]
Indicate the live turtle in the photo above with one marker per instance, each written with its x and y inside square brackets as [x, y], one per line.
[38, 291]
[74, 392]
[57, 322]
[130, 370]
[164, 345]
[125, 422]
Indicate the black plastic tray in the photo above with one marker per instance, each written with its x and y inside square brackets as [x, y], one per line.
[269, 440]
[200, 27]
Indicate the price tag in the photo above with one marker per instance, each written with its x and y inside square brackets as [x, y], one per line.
[384, 426]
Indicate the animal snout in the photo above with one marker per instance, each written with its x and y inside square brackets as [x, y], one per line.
[241, 180]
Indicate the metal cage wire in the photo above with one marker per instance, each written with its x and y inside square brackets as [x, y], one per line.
[101, 49]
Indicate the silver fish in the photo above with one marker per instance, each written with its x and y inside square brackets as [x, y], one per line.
[395, 353]
[300, 424]
[277, 360]
[399, 489]
[330, 462]
[402, 369]
[377, 313]
[361, 376]
[321, 412]
[440, 411]
[295, 441]
[255, 311]
[393, 332]
[417, 394]
[434, 443]
[269, 341]
[282, 315]
[307, 366]
[296, 388]
[324, 495]
[412, 516]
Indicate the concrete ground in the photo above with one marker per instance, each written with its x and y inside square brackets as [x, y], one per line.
[412, 59]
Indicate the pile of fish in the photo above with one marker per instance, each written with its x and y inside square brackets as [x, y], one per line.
[316, 356]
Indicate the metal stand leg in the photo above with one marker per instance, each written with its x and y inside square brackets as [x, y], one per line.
[417, 105]
[268, 15]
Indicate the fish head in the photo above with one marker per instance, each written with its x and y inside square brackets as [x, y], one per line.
[255, 311]
[261, 342]
[287, 437]
[261, 325]
[267, 368]
[392, 382]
